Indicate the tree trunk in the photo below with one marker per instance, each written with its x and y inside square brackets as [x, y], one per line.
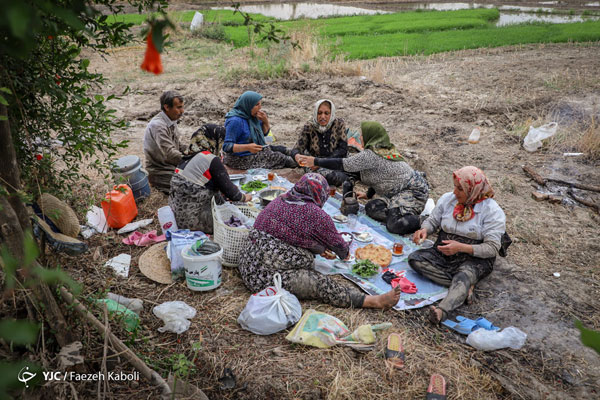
[10, 176]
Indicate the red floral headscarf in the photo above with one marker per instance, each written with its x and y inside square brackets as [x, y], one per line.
[475, 184]
[311, 188]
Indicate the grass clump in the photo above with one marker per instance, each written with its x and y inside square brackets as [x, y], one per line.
[212, 31]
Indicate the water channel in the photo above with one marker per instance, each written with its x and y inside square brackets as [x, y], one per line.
[509, 14]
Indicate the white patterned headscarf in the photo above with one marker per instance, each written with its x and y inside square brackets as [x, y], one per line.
[315, 120]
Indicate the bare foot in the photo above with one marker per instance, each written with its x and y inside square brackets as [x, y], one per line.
[435, 315]
[470, 295]
[384, 301]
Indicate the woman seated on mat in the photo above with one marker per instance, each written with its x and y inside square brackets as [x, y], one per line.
[193, 186]
[402, 192]
[471, 225]
[323, 136]
[246, 126]
[286, 236]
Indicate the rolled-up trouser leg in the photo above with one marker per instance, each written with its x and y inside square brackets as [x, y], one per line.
[377, 209]
[401, 224]
[459, 289]
[281, 149]
[307, 284]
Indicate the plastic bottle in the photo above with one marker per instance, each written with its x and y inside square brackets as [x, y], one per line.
[135, 305]
[474, 136]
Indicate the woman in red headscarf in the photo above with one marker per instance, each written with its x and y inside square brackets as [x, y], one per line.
[287, 235]
[470, 225]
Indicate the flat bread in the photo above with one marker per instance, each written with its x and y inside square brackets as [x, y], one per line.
[378, 254]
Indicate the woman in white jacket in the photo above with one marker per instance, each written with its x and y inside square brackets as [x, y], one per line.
[470, 225]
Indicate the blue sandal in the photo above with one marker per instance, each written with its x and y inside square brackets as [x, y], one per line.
[465, 326]
[485, 324]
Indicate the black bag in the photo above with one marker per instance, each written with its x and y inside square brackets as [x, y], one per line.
[505, 241]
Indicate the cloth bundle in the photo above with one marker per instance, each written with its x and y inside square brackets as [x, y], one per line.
[399, 279]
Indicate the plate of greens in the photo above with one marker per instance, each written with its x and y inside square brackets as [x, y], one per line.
[254, 186]
[365, 268]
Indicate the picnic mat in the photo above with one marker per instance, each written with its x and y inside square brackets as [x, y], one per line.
[428, 292]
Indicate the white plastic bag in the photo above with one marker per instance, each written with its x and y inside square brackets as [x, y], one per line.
[485, 340]
[197, 21]
[533, 140]
[175, 315]
[270, 310]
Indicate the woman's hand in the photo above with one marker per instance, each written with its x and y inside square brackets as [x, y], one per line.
[253, 148]
[361, 195]
[247, 197]
[452, 247]
[419, 236]
[261, 115]
[305, 161]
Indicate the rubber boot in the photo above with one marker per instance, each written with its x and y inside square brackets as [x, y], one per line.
[290, 162]
[336, 178]
[401, 224]
[280, 149]
[377, 209]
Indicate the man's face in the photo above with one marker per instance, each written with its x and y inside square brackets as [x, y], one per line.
[175, 112]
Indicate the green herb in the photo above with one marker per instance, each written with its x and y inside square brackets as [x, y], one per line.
[253, 186]
[365, 268]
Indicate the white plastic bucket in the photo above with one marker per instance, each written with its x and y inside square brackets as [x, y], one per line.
[202, 273]
[166, 219]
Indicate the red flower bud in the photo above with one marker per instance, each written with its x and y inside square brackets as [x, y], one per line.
[39, 157]
[50, 37]
[57, 76]
[152, 61]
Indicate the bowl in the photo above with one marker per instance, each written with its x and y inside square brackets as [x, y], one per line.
[268, 195]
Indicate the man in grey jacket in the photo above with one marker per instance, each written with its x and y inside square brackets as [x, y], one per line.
[162, 147]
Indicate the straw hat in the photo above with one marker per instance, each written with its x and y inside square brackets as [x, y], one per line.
[155, 264]
[60, 214]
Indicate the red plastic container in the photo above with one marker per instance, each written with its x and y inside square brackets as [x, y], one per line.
[119, 206]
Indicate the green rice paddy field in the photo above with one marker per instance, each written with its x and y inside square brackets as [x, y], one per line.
[406, 33]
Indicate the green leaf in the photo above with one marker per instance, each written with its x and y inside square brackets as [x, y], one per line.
[99, 97]
[9, 376]
[3, 100]
[69, 17]
[30, 248]
[54, 276]
[589, 337]
[85, 63]
[19, 331]
[3, 118]
[19, 17]
[5, 90]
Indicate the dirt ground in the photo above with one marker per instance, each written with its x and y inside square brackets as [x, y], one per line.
[429, 106]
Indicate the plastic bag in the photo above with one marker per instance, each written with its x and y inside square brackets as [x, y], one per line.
[270, 310]
[323, 330]
[175, 315]
[179, 240]
[129, 319]
[197, 21]
[235, 212]
[533, 140]
[485, 340]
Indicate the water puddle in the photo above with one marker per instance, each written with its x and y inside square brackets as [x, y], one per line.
[509, 15]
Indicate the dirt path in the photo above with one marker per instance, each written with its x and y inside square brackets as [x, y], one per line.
[429, 105]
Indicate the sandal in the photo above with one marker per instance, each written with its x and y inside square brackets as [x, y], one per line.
[464, 325]
[394, 352]
[437, 388]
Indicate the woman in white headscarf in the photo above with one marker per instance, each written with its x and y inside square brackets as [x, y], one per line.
[324, 135]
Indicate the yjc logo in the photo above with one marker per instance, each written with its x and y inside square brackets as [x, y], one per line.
[25, 376]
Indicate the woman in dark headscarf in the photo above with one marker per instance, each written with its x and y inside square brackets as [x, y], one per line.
[286, 236]
[471, 225]
[324, 136]
[401, 191]
[246, 126]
